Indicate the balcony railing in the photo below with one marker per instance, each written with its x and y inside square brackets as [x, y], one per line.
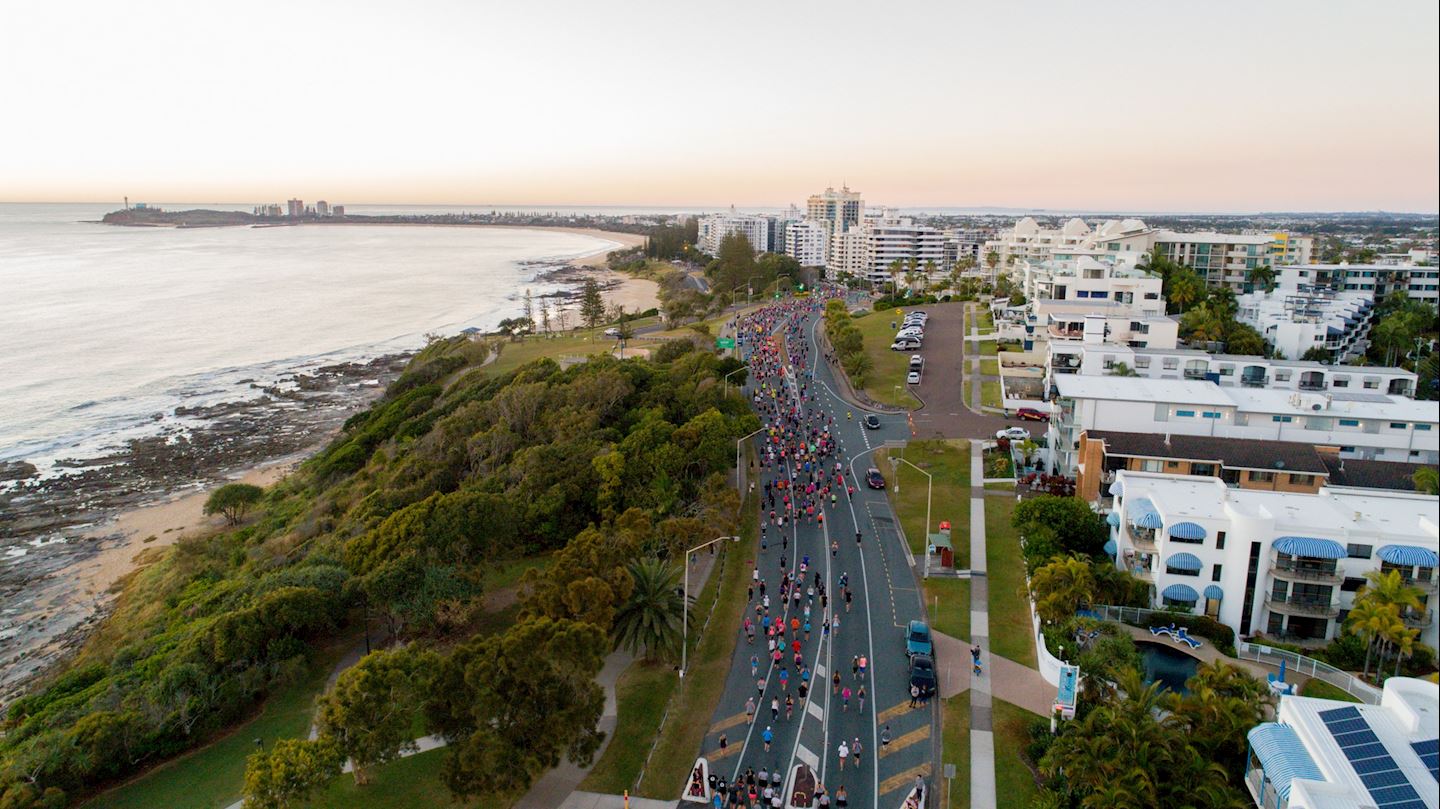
[1304, 606]
[1418, 619]
[1311, 385]
[1195, 373]
[1254, 381]
[1142, 538]
[1285, 570]
[1142, 573]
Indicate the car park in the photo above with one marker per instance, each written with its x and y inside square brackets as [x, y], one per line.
[872, 422]
[1031, 414]
[917, 639]
[922, 674]
[912, 378]
[915, 332]
[874, 479]
[1013, 433]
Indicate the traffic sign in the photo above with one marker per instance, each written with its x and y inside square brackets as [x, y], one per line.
[725, 342]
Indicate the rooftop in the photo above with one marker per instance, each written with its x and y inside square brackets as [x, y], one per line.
[1142, 389]
[1237, 453]
[1343, 404]
[1360, 474]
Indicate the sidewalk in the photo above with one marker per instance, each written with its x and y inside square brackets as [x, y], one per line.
[1009, 681]
[982, 736]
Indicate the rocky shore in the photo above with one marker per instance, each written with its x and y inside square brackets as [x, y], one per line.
[48, 525]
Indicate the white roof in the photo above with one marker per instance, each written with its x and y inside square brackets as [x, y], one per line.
[1211, 237]
[1141, 389]
[1366, 405]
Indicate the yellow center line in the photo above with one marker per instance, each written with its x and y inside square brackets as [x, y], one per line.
[895, 710]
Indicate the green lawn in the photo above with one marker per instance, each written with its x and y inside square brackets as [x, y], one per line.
[888, 368]
[988, 348]
[955, 749]
[947, 601]
[411, 781]
[213, 775]
[641, 694]
[1324, 690]
[1010, 627]
[1013, 777]
[948, 462]
[990, 393]
[985, 320]
[990, 367]
[1000, 487]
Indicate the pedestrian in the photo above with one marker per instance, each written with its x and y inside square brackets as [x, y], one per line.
[914, 695]
[768, 736]
[861, 695]
[863, 663]
[789, 706]
[855, 666]
[845, 695]
[774, 709]
[842, 798]
[844, 753]
[855, 751]
[760, 685]
[754, 666]
[749, 708]
[885, 737]
[848, 598]
[804, 690]
[724, 743]
[835, 624]
[834, 548]
[835, 683]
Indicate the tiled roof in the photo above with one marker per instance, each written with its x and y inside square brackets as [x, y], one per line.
[1235, 453]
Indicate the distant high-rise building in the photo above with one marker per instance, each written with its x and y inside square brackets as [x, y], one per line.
[839, 210]
[337, 210]
[322, 208]
[715, 227]
[806, 242]
[295, 208]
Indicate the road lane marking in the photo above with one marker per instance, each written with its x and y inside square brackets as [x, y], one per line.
[905, 741]
[898, 709]
[815, 710]
[903, 779]
[726, 753]
[728, 722]
[811, 760]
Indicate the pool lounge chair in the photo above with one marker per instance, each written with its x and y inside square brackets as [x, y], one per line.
[1163, 630]
[1183, 636]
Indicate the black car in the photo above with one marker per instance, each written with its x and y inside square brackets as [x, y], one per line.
[922, 674]
[874, 479]
[872, 422]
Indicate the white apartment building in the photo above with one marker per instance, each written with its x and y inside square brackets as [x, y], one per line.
[1282, 564]
[869, 250]
[807, 241]
[1296, 319]
[1419, 282]
[1329, 754]
[714, 228]
[839, 210]
[1222, 259]
[1358, 423]
[1027, 240]
[965, 244]
[1287, 248]
[1225, 370]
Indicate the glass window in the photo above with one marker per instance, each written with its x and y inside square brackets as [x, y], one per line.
[1215, 573]
[1356, 551]
[1301, 480]
[1220, 540]
[1184, 414]
[1170, 363]
[1349, 422]
[1142, 362]
[1282, 419]
[1397, 425]
[1282, 376]
[1211, 414]
[1262, 477]
[1351, 584]
[1152, 466]
[1422, 426]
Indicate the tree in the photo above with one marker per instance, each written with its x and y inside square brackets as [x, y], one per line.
[1427, 480]
[1262, 277]
[1184, 288]
[288, 772]
[992, 260]
[1056, 526]
[650, 620]
[1062, 587]
[897, 268]
[545, 316]
[370, 712]
[233, 500]
[592, 306]
[529, 311]
[1203, 323]
[1367, 619]
[735, 262]
[1244, 340]
[1122, 369]
[1316, 354]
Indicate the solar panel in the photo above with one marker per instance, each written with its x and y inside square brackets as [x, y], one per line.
[1429, 753]
[1336, 714]
[1370, 765]
[1386, 778]
[1387, 797]
[1363, 736]
[1340, 726]
[1388, 785]
[1360, 751]
[1430, 746]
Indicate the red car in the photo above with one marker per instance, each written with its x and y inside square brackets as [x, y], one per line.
[873, 478]
[1031, 414]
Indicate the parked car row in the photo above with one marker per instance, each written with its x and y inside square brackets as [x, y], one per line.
[912, 332]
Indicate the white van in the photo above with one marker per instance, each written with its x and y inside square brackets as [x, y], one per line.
[905, 344]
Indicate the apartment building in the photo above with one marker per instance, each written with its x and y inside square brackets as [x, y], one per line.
[807, 241]
[1294, 320]
[1225, 370]
[839, 210]
[965, 244]
[870, 250]
[1027, 240]
[714, 228]
[1287, 248]
[1241, 463]
[1329, 754]
[1367, 425]
[1222, 259]
[1420, 283]
[1281, 564]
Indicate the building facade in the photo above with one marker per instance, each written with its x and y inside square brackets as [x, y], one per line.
[807, 241]
[1296, 320]
[714, 228]
[839, 210]
[1421, 283]
[1222, 259]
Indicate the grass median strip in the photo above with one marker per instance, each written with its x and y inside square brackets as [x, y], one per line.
[1010, 628]
[948, 463]
[1013, 776]
[955, 738]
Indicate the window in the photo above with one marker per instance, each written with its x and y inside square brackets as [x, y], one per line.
[1301, 480]
[1397, 425]
[1152, 466]
[1227, 370]
[1215, 573]
[1371, 383]
[1184, 414]
[1175, 571]
[1356, 551]
[1142, 362]
[1340, 382]
[1203, 469]
[1262, 477]
[1220, 541]
[1422, 427]
[1109, 361]
[1351, 584]
[1170, 363]
[1211, 414]
[1173, 464]
[1349, 422]
[1282, 376]
[1282, 419]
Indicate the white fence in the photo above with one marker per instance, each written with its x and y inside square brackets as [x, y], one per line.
[1310, 667]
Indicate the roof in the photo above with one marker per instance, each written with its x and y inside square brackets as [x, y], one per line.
[1360, 474]
[1282, 755]
[1236, 453]
[1141, 389]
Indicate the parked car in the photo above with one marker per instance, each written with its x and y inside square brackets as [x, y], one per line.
[912, 378]
[1031, 414]
[1013, 433]
[612, 332]
[917, 639]
[905, 344]
[916, 361]
[874, 479]
[872, 422]
[918, 334]
[922, 674]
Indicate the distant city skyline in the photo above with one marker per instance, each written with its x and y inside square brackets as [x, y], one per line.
[1224, 107]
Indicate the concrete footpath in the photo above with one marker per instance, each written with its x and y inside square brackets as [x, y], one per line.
[982, 736]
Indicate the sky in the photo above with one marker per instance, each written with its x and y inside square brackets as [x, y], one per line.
[1144, 106]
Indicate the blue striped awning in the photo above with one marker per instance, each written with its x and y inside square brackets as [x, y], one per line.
[1312, 547]
[1407, 555]
[1113, 518]
[1143, 514]
[1117, 488]
[1187, 530]
[1110, 547]
[1282, 756]
[1214, 592]
[1180, 592]
[1184, 561]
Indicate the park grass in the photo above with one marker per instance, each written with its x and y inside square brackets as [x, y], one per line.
[990, 393]
[949, 465]
[989, 348]
[1013, 777]
[947, 603]
[410, 781]
[1010, 627]
[514, 354]
[990, 367]
[1323, 690]
[641, 696]
[1000, 487]
[985, 321]
[214, 775]
[887, 368]
[955, 749]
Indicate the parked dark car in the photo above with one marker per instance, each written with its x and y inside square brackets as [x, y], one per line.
[874, 479]
[1031, 414]
[872, 422]
[922, 674]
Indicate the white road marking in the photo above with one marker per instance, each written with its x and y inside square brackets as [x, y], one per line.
[815, 710]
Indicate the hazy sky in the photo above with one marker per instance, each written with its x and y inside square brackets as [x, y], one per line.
[1138, 106]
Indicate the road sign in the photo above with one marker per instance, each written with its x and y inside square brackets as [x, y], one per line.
[725, 342]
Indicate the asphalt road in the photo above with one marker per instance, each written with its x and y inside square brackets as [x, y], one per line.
[886, 598]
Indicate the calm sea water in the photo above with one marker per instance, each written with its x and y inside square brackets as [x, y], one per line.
[102, 328]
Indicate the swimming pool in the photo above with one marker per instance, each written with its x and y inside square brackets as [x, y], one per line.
[1167, 665]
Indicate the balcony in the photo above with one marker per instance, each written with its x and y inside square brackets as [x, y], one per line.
[1254, 381]
[1142, 538]
[1304, 606]
[1195, 373]
[1142, 573]
[1061, 333]
[1418, 620]
[1310, 573]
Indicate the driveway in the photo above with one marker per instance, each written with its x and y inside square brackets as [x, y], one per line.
[941, 387]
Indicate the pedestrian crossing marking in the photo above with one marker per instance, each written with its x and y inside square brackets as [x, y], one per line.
[903, 779]
[905, 741]
[729, 722]
[899, 709]
[730, 750]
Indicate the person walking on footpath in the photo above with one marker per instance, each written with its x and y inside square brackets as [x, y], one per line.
[914, 695]
[975, 658]
[844, 752]
[767, 737]
[749, 708]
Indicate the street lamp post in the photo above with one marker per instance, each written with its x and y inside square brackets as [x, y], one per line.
[750, 291]
[929, 493]
[685, 621]
[727, 378]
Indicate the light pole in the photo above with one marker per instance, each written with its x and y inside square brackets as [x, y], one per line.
[727, 379]
[685, 621]
[929, 492]
[750, 291]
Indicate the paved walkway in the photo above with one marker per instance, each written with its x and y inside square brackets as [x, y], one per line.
[1009, 681]
[982, 736]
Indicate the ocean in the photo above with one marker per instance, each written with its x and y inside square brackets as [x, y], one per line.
[105, 331]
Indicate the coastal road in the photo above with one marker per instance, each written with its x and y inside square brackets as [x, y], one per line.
[886, 597]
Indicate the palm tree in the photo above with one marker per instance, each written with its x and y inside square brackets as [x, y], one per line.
[1389, 587]
[1263, 277]
[1185, 288]
[1203, 323]
[1427, 480]
[1062, 587]
[1122, 369]
[896, 268]
[651, 618]
[1366, 619]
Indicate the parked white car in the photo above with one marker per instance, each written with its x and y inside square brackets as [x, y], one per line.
[1013, 433]
[913, 378]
